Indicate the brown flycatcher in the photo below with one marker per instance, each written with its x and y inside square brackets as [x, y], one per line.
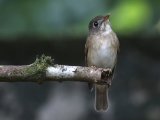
[101, 51]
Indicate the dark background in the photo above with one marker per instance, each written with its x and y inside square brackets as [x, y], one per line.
[58, 28]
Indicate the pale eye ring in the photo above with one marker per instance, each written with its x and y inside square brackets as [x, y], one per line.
[95, 24]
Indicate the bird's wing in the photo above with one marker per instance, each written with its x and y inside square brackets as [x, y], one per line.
[86, 52]
[117, 43]
[90, 85]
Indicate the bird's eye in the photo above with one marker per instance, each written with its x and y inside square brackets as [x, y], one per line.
[95, 24]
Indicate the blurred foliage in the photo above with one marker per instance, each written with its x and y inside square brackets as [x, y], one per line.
[131, 16]
[53, 18]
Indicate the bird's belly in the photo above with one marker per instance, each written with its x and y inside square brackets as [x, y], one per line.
[104, 57]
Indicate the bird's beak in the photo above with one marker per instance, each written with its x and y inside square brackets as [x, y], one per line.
[106, 17]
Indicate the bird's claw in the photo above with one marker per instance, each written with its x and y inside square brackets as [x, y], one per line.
[106, 77]
[109, 72]
[106, 74]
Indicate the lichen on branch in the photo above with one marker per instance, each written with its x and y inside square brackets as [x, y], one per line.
[37, 69]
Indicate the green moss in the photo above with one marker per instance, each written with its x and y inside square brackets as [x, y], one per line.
[131, 16]
[38, 68]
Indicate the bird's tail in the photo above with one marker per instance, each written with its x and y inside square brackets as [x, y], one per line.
[101, 97]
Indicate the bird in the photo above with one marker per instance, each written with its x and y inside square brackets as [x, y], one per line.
[101, 48]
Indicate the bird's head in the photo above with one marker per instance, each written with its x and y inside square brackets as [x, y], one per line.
[100, 24]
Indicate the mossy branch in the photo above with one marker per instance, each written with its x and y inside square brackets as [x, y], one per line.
[44, 69]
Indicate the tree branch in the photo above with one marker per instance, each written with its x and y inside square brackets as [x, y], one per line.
[43, 69]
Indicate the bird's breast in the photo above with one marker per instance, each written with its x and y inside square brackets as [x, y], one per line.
[102, 53]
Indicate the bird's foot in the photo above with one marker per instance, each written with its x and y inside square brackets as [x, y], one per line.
[106, 76]
[109, 72]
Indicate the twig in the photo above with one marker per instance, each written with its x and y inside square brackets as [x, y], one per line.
[43, 69]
